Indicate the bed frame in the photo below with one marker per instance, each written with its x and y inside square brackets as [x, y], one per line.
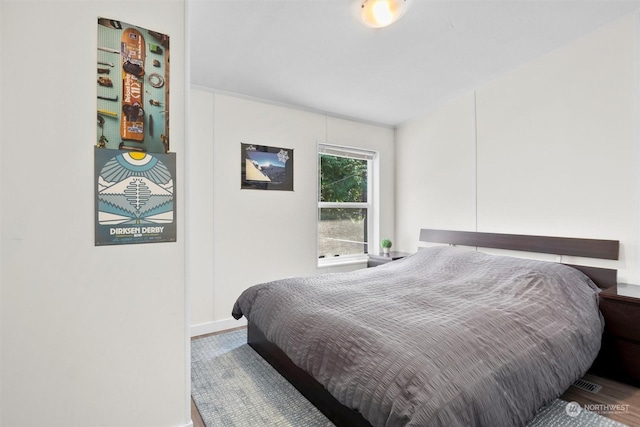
[343, 416]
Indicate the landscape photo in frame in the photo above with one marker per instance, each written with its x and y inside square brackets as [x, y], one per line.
[266, 168]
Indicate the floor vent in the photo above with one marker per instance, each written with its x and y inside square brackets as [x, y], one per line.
[587, 386]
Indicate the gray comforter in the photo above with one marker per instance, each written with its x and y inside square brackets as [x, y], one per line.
[444, 337]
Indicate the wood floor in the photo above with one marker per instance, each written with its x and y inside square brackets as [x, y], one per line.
[612, 393]
[195, 416]
[615, 394]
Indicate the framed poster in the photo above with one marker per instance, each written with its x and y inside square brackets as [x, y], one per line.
[132, 87]
[134, 171]
[266, 168]
[135, 197]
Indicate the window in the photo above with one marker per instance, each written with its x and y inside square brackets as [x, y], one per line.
[345, 203]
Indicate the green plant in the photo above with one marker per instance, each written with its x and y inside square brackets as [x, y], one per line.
[386, 243]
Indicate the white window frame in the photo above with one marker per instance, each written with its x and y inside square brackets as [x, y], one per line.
[371, 205]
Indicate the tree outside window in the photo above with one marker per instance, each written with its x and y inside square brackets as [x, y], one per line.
[344, 201]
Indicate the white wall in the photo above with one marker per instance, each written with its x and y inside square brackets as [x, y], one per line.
[550, 148]
[435, 173]
[265, 235]
[90, 335]
[200, 207]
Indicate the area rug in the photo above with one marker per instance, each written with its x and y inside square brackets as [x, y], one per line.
[232, 386]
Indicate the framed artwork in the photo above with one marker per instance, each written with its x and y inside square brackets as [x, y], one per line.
[132, 88]
[134, 171]
[266, 168]
[135, 197]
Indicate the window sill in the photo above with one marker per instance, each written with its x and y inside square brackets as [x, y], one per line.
[346, 260]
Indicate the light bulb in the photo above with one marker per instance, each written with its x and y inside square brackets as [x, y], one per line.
[381, 13]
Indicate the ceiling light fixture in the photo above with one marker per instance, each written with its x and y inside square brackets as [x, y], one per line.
[381, 13]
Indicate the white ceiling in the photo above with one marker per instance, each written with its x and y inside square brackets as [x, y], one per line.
[314, 54]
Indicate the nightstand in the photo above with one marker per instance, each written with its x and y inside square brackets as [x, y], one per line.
[382, 258]
[619, 356]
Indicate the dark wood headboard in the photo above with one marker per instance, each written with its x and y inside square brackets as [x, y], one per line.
[570, 246]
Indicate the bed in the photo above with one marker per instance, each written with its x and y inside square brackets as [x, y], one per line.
[447, 336]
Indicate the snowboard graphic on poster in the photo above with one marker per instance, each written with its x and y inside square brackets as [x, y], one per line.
[135, 198]
[132, 85]
[133, 55]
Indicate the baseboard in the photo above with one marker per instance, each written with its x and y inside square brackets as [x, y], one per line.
[216, 326]
[188, 425]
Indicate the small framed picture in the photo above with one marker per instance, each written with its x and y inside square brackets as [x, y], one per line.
[266, 168]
